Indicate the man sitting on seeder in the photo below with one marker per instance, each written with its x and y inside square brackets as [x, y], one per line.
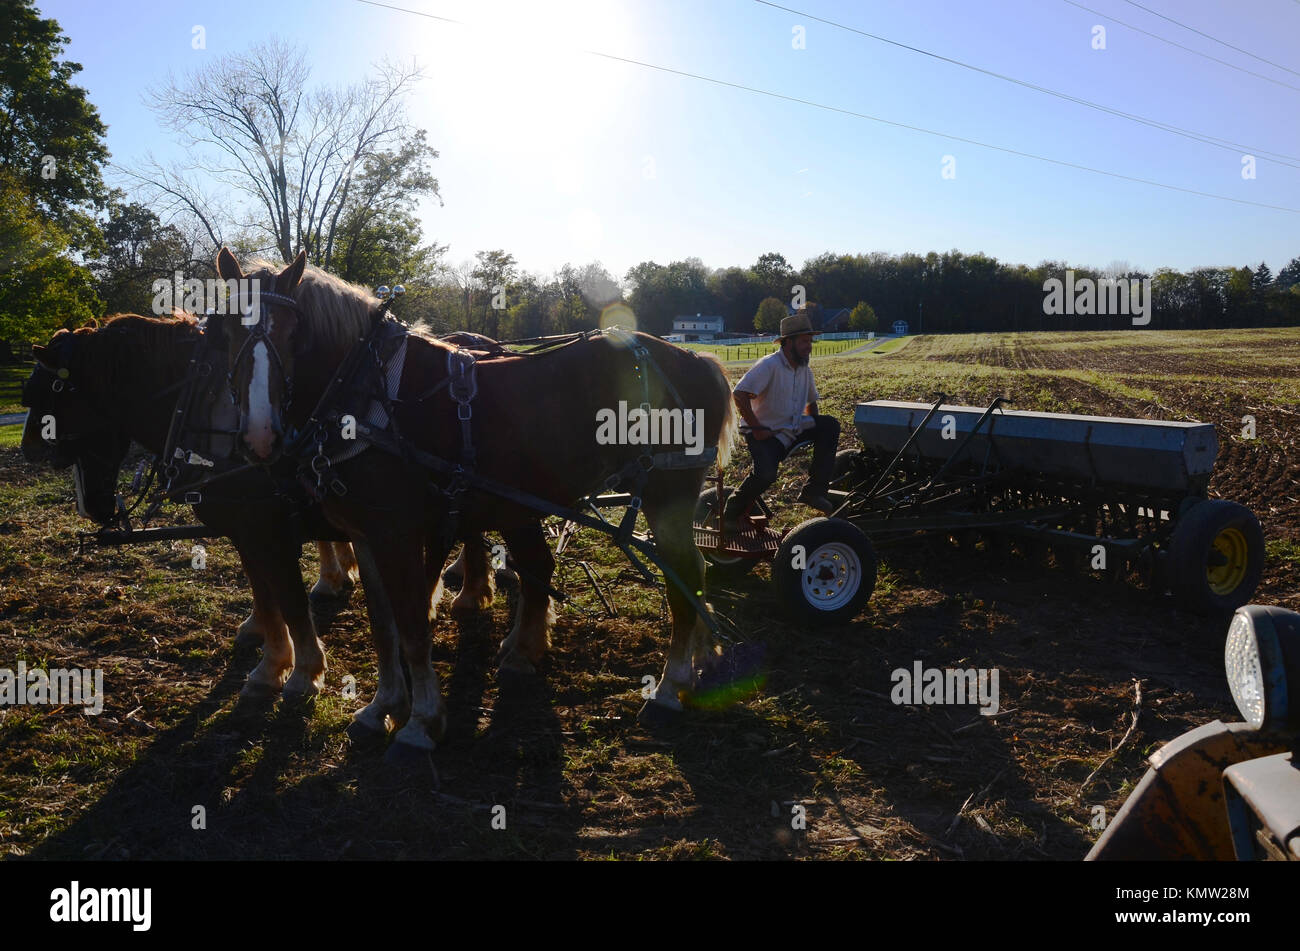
[778, 401]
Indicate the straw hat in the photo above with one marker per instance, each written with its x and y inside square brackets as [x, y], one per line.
[796, 325]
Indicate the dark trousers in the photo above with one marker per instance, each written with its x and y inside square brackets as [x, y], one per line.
[768, 453]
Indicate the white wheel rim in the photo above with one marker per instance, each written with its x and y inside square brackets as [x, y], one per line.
[832, 577]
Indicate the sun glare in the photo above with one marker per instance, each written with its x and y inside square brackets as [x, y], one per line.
[520, 71]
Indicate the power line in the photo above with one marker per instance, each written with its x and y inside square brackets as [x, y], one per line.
[1156, 36]
[1201, 137]
[1131, 3]
[862, 115]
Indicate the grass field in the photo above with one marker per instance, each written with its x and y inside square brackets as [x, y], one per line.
[889, 346]
[576, 774]
[11, 382]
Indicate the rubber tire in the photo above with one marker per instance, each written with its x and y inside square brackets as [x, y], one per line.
[813, 535]
[1190, 547]
[706, 514]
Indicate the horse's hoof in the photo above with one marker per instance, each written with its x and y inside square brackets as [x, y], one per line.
[327, 596]
[258, 690]
[408, 758]
[512, 664]
[463, 609]
[654, 715]
[301, 700]
[300, 684]
[363, 736]
[247, 641]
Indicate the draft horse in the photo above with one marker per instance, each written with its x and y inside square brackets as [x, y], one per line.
[529, 423]
[101, 387]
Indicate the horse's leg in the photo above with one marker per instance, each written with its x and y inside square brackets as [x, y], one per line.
[338, 570]
[252, 632]
[267, 678]
[527, 643]
[433, 574]
[309, 653]
[479, 587]
[391, 698]
[669, 505]
[402, 569]
[455, 573]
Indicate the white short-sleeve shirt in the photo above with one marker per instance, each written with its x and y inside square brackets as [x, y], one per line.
[780, 393]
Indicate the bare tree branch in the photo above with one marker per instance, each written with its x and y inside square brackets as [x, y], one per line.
[294, 152]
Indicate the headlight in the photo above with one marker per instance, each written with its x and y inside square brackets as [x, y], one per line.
[1261, 654]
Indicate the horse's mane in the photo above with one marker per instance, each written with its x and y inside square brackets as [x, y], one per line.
[339, 311]
[126, 350]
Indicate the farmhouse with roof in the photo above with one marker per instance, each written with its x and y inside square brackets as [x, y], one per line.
[698, 327]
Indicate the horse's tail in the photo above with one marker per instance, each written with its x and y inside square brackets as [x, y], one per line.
[729, 435]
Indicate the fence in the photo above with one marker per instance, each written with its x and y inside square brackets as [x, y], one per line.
[754, 351]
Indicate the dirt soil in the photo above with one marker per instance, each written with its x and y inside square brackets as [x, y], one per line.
[813, 760]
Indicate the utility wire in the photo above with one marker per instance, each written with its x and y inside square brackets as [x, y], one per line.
[1202, 137]
[1214, 38]
[862, 115]
[1156, 36]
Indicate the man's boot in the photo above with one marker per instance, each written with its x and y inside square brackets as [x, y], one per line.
[731, 516]
[816, 498]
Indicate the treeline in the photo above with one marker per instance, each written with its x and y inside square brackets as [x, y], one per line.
[956, 292]
[937, 293]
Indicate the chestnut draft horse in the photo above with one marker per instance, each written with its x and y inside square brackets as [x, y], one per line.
[99, 388]
[532, 425]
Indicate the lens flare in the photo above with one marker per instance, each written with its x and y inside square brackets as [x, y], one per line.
[617, 315]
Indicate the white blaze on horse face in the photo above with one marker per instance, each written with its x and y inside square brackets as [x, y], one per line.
[260, 433]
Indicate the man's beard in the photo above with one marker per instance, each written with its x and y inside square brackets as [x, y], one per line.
[795, 357]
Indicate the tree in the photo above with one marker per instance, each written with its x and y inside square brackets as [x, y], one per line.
[51, 137]
[770, 314]
[137, 251]
[775, 275]
[863, 318]
[41, 288]
[382, 201]
[304, 160]
[1262, 278]
[1289, 276]
[496, 269]
[659, 294]
[736, 295]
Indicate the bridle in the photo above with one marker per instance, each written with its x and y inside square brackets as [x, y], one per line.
[62, 384]
[260, 331]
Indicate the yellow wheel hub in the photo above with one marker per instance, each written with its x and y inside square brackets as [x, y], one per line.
[1233, 554]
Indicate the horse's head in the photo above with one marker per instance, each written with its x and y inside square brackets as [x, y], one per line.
[263, 344]
[67, 426]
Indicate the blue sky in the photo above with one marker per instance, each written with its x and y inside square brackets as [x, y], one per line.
[559, 156]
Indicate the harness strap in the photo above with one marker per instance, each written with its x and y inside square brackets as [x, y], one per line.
[463, 387]
[642, 356]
